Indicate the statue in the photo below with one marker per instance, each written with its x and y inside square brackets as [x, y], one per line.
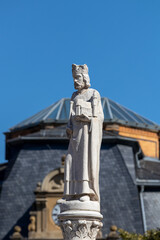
[80, 216]
[84, 129]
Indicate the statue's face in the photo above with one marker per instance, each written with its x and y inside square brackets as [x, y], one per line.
[78, 81]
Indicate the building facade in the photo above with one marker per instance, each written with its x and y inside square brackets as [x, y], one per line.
[32, 180]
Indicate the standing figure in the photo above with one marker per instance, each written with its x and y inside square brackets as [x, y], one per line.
[84, 129]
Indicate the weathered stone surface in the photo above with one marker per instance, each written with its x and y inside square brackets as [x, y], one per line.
[80, 229]
[80, 216]
[85, 132]
[79, 205]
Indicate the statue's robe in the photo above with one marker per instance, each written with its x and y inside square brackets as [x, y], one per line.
[82, 161]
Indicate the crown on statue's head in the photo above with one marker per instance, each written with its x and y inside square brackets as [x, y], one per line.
[79, 69]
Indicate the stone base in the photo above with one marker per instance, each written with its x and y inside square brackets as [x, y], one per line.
[80, 220]
[79, 205]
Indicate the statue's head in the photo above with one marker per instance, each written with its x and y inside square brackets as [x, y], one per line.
[80, 76]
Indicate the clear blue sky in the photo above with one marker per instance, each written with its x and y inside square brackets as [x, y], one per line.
[39, 40]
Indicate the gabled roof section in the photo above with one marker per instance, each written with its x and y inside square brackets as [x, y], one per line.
[113, 113]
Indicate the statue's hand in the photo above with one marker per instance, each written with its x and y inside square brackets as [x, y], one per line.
[69, 132]
[83, 118]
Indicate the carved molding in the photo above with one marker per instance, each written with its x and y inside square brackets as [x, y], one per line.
[47, 193]
[54, 182]
[80, 229]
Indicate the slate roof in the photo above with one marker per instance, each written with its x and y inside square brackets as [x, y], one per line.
[120, 204]
[3, 167]
[151, 201]
[113, 113]
[28, 166]
[119, 195]
[149, 170]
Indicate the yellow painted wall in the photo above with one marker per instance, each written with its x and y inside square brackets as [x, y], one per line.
[149, 141]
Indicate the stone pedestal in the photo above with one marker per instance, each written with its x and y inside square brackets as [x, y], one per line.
[80, 220]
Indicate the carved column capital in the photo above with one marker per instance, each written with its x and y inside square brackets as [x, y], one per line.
[80, 229]
[80, 220]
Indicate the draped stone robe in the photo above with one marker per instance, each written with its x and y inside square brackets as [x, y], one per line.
[82, 161]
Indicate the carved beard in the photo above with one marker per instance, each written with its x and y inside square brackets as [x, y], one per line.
[79, 86]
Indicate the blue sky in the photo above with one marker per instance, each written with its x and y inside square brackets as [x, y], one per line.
[39, 40]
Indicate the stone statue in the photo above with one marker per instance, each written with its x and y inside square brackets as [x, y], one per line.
[81, 180]
[80, 216]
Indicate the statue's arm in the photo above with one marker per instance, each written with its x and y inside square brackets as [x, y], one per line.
[83, 118]
[100, 109]
[69, 128]
[97, 106]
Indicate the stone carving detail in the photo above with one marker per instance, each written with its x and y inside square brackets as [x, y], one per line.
[17, 233]
[84, 129]
[38, 188]
[80, 229]
[80, 216]
[113, 235]
[54, 182]
[32, 225]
